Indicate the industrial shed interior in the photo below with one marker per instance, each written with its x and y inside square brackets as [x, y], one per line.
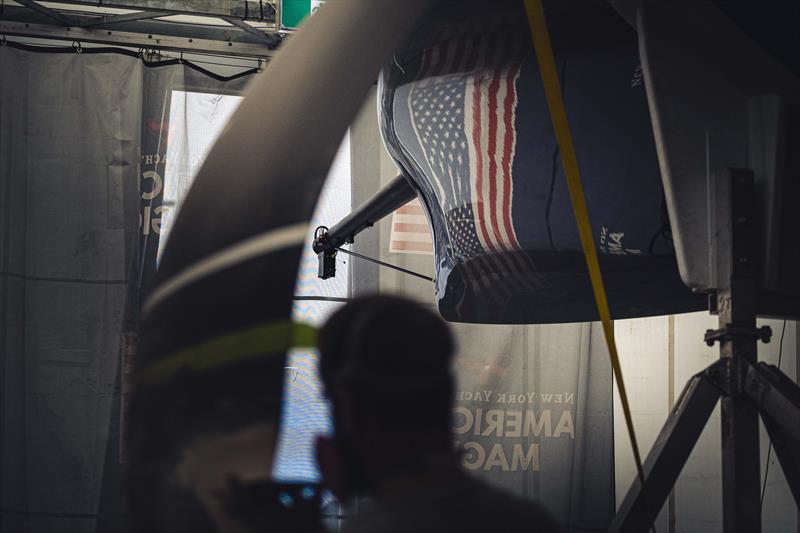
[597, 196]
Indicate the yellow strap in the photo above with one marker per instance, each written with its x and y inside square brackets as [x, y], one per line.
[558, 114]
[264, 340]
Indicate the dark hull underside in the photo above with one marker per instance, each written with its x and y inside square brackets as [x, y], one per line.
[559, 291]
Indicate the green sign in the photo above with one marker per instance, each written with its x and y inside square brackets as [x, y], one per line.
[293, 12]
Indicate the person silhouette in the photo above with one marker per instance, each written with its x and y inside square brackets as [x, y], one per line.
[385, 364]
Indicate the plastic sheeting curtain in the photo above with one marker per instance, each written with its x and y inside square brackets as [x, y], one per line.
[83, 140]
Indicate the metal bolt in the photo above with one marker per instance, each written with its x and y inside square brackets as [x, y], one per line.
[709, 340]
[766, 334]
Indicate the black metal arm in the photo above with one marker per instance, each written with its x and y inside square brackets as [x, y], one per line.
[396, 194]
[326, 241]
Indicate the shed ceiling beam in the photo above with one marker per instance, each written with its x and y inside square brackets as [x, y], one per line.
[241, 9]
[53, 14]
[149, 27]
[269, 40]
[116, 19]
[137, 40]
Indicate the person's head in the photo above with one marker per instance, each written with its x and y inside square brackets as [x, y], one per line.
[385, 363]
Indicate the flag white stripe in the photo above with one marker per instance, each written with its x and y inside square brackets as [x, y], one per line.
[500, 143]
[411, 237]
[513, 154]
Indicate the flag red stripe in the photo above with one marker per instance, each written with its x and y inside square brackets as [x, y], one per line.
[412, 246]
[410, 210]
[411, 228]
[494, 86]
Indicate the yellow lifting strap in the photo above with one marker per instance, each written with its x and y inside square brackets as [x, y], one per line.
[558, 114]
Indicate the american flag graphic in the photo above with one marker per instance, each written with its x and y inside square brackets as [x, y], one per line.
[463, 110]
[410, 231]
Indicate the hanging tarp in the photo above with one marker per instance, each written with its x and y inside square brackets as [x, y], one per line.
[85, 169]
[68, 255]
[464, 114]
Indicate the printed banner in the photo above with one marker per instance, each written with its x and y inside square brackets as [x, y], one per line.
[533, 415]
[155, 131]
